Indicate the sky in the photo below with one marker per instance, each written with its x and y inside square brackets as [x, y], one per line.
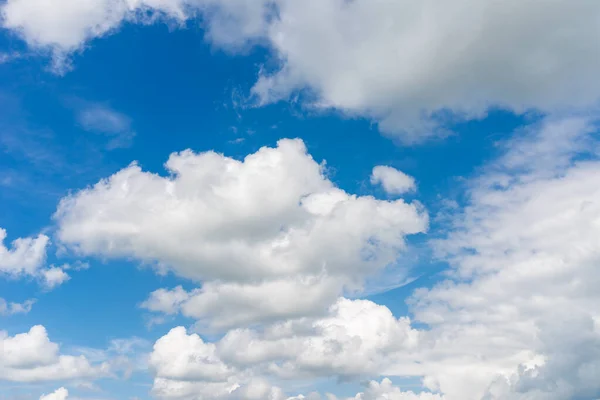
[286, 200]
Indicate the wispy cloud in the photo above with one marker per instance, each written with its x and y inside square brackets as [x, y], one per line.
[101, 119]
[9, 308]
[8, 57]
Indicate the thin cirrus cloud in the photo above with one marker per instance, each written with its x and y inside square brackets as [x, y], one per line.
[11, 308]
[103, 120]
[411, 75]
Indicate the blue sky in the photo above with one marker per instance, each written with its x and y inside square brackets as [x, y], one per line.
[258, 267]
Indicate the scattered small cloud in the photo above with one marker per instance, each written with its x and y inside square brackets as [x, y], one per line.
[101, 119]
[53, 277]
[7, 308]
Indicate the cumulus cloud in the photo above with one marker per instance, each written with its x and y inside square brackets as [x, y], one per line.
[269, 237]
[356, 338]
[520, 308]
[392, 180]
[32, 357]
[410, 66]
[25, 257]
[54, 276]
[386, 390]
[517, 319]
[11, 308]
[58, 394]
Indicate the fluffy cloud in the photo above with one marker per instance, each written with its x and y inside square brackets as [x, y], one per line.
[31, 357]
[25, 257]
[58, 394]
[521, 309]
[15, 308]
[392, 180]
[54, 276]
[269, 236]
[385, 390]
[356, 338]
[64, 26]
[410, 66]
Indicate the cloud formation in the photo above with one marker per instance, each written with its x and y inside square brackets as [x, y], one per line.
[58, 394]
[32, 357]
[412, 67]
[269, 237]
[357, 338]
[393, 181]
[103, 120]
[516, 319]
[11, 308]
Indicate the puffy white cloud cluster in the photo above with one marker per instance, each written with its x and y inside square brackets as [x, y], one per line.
[32, 357]
[269, 237]
[518, 318]
[357, 338]
[410, 66]
[525, 252]
[392, 180]
[58, 394]
[26, 258]
[385, 390]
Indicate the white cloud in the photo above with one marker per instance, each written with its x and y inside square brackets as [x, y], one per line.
[58, 394]
[385, 390]
[392, 180]
[521, 308]
[25, 257]
[406, 64]
[15, 308]
[269, 227]
[54, 276]
[64, 26]
[32, 357]
[103, 120]
[166, 301]
[410, 66]
[356, 338]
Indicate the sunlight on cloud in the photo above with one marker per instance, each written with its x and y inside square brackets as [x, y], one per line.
[412, 67]
[270, 237]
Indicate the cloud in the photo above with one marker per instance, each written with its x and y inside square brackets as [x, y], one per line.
[32, 357]
[65, 26]
[25, 257]
[386, 390]
[356, 338]
[520, 309]
[410, 67]
[516, 319]
[54, 276]
[15, 308]
[269, 237]
[392, 180]
[58, 394]
[103, 120]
